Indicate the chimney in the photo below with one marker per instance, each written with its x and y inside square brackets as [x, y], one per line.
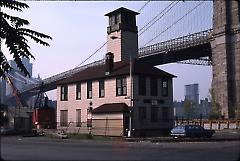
[109, 63]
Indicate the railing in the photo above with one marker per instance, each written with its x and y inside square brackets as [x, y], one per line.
[104, 127]
[199, 61]
[170, 45]
[176, 44]
[212, 124]
[63, 75]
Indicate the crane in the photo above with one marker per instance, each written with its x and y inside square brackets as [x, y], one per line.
[19, 100]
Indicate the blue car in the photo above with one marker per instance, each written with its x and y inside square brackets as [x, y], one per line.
[7, 131]
[191, 131]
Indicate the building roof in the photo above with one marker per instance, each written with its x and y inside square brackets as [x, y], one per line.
[119, 69]
[111, 108]
[122, 10]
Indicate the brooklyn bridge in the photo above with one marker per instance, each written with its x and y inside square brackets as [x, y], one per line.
[217, 45]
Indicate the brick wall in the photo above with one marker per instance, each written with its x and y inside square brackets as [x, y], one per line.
[123, 46]
[110, 97]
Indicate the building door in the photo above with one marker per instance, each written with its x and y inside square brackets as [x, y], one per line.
[125, 124]
[78, 117]
[63, 117]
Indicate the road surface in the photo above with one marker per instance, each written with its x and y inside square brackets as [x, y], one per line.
[43, 148]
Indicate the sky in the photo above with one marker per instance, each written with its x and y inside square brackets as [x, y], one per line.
[78, 29]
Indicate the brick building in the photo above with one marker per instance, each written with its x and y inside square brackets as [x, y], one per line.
[121, 94]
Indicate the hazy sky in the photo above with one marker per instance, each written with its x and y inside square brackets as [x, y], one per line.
[80, 28]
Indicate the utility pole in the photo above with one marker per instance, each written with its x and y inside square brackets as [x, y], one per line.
[1, 78]
[131, 99]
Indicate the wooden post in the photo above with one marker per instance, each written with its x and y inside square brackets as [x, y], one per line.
[227, 124]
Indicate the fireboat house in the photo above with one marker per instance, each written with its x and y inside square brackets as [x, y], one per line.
[121, 96]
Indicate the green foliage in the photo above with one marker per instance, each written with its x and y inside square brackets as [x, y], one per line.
[215, 112]
[15, 36]
[237, 112]
[189, 109]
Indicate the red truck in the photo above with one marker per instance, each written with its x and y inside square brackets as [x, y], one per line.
[44, 118]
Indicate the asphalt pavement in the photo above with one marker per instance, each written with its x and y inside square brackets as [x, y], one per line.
[45, 148]
[220, 135]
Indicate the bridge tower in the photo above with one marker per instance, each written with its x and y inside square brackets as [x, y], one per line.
[122, 34]
[226, 56]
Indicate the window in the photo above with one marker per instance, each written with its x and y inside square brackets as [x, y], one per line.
[121, 86]
[115, 19]
[112, 20]
[154, 86]
[63, 117]
[142, 114]
[154, 114]
[165, 114]
[78, 91]
[101, 88]
[142, 85]
[64, 93]
[78, 117]
[164, 88]
[89, 90]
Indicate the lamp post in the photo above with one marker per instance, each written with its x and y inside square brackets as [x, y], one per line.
[131, 99]
[129, 133]
[89, 118]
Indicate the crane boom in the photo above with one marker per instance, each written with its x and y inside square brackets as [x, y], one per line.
[19, 100]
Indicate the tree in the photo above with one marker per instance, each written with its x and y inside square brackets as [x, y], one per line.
[215, 110]
[16, 37]
[237, 109]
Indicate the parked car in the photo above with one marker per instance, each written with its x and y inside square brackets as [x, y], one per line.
[7, 131]
[191, 131]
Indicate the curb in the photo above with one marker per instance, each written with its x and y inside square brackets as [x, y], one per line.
[181, 139]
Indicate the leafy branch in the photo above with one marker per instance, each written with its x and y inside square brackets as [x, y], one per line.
[15, 36]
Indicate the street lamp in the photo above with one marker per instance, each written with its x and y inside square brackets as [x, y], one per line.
[89, 118]
[129, 134]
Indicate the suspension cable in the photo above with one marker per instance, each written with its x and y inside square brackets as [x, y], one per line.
[190, 11]
[92, 54]
[25, 80]
[34, 81]
[143, 6]
[153, 21]
[107, 41]
[16, 78]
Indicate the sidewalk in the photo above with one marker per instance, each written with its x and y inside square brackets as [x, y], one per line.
[220, 135]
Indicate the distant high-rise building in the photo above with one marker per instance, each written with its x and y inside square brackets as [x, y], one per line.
[19, 80]
[26, 63]
[2, 90]
[192, 93]
[18, 76]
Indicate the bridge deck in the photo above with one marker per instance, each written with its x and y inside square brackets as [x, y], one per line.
[186, 49]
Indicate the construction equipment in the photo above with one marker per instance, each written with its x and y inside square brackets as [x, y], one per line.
[43, 115]
[19, 100]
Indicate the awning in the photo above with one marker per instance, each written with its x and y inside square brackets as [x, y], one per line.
[111, 108]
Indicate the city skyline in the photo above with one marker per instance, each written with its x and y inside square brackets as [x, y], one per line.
[74, 39]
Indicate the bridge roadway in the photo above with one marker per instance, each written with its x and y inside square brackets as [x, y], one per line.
[193, 48]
